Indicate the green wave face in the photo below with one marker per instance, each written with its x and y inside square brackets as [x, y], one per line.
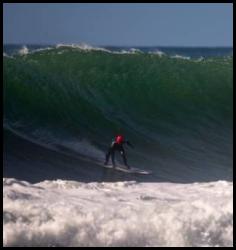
[75, 89]
[178, 113]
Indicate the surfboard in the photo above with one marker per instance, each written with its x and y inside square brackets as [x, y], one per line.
[128, 170]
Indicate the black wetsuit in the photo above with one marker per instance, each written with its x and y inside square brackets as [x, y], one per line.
[117, 147]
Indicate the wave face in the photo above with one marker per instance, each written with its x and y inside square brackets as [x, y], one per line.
[177, 111]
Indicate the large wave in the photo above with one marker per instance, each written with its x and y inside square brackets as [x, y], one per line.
[177, 112]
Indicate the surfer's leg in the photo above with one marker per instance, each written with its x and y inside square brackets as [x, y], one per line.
[122, 152]
[113, 158]
[110, 152]
[107, 156]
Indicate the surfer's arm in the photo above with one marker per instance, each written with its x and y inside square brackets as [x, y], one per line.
[129, 144]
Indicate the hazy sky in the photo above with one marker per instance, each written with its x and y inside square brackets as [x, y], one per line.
[119, 24]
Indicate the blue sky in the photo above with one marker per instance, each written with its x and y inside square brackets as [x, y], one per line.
[119, 24]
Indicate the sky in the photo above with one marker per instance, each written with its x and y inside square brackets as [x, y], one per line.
[133, 24]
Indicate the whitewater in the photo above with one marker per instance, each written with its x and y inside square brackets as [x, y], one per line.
[63, 105]
[69, 213]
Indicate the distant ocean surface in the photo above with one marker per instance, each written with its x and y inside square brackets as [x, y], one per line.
[64, 104]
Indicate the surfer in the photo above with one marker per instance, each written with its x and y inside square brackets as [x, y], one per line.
[117, 145]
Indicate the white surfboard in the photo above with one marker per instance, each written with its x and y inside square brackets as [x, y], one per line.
[128, 170]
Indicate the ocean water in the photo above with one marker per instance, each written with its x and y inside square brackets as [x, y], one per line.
[64, 104]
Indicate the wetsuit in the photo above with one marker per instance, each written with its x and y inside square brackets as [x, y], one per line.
[117, 145]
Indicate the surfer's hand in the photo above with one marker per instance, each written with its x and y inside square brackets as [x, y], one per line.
[128, 143]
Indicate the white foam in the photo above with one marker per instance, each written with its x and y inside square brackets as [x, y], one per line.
[158, 53]
[134, 51]
[41, 49]
[200, 59]
[70, 213]
[8, 56]
[87, 48]
[82, 46]
[23, 51]
[181, 57]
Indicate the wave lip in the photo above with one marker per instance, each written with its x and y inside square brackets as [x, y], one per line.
[192, 52]
[157, 52]
[181, 57]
